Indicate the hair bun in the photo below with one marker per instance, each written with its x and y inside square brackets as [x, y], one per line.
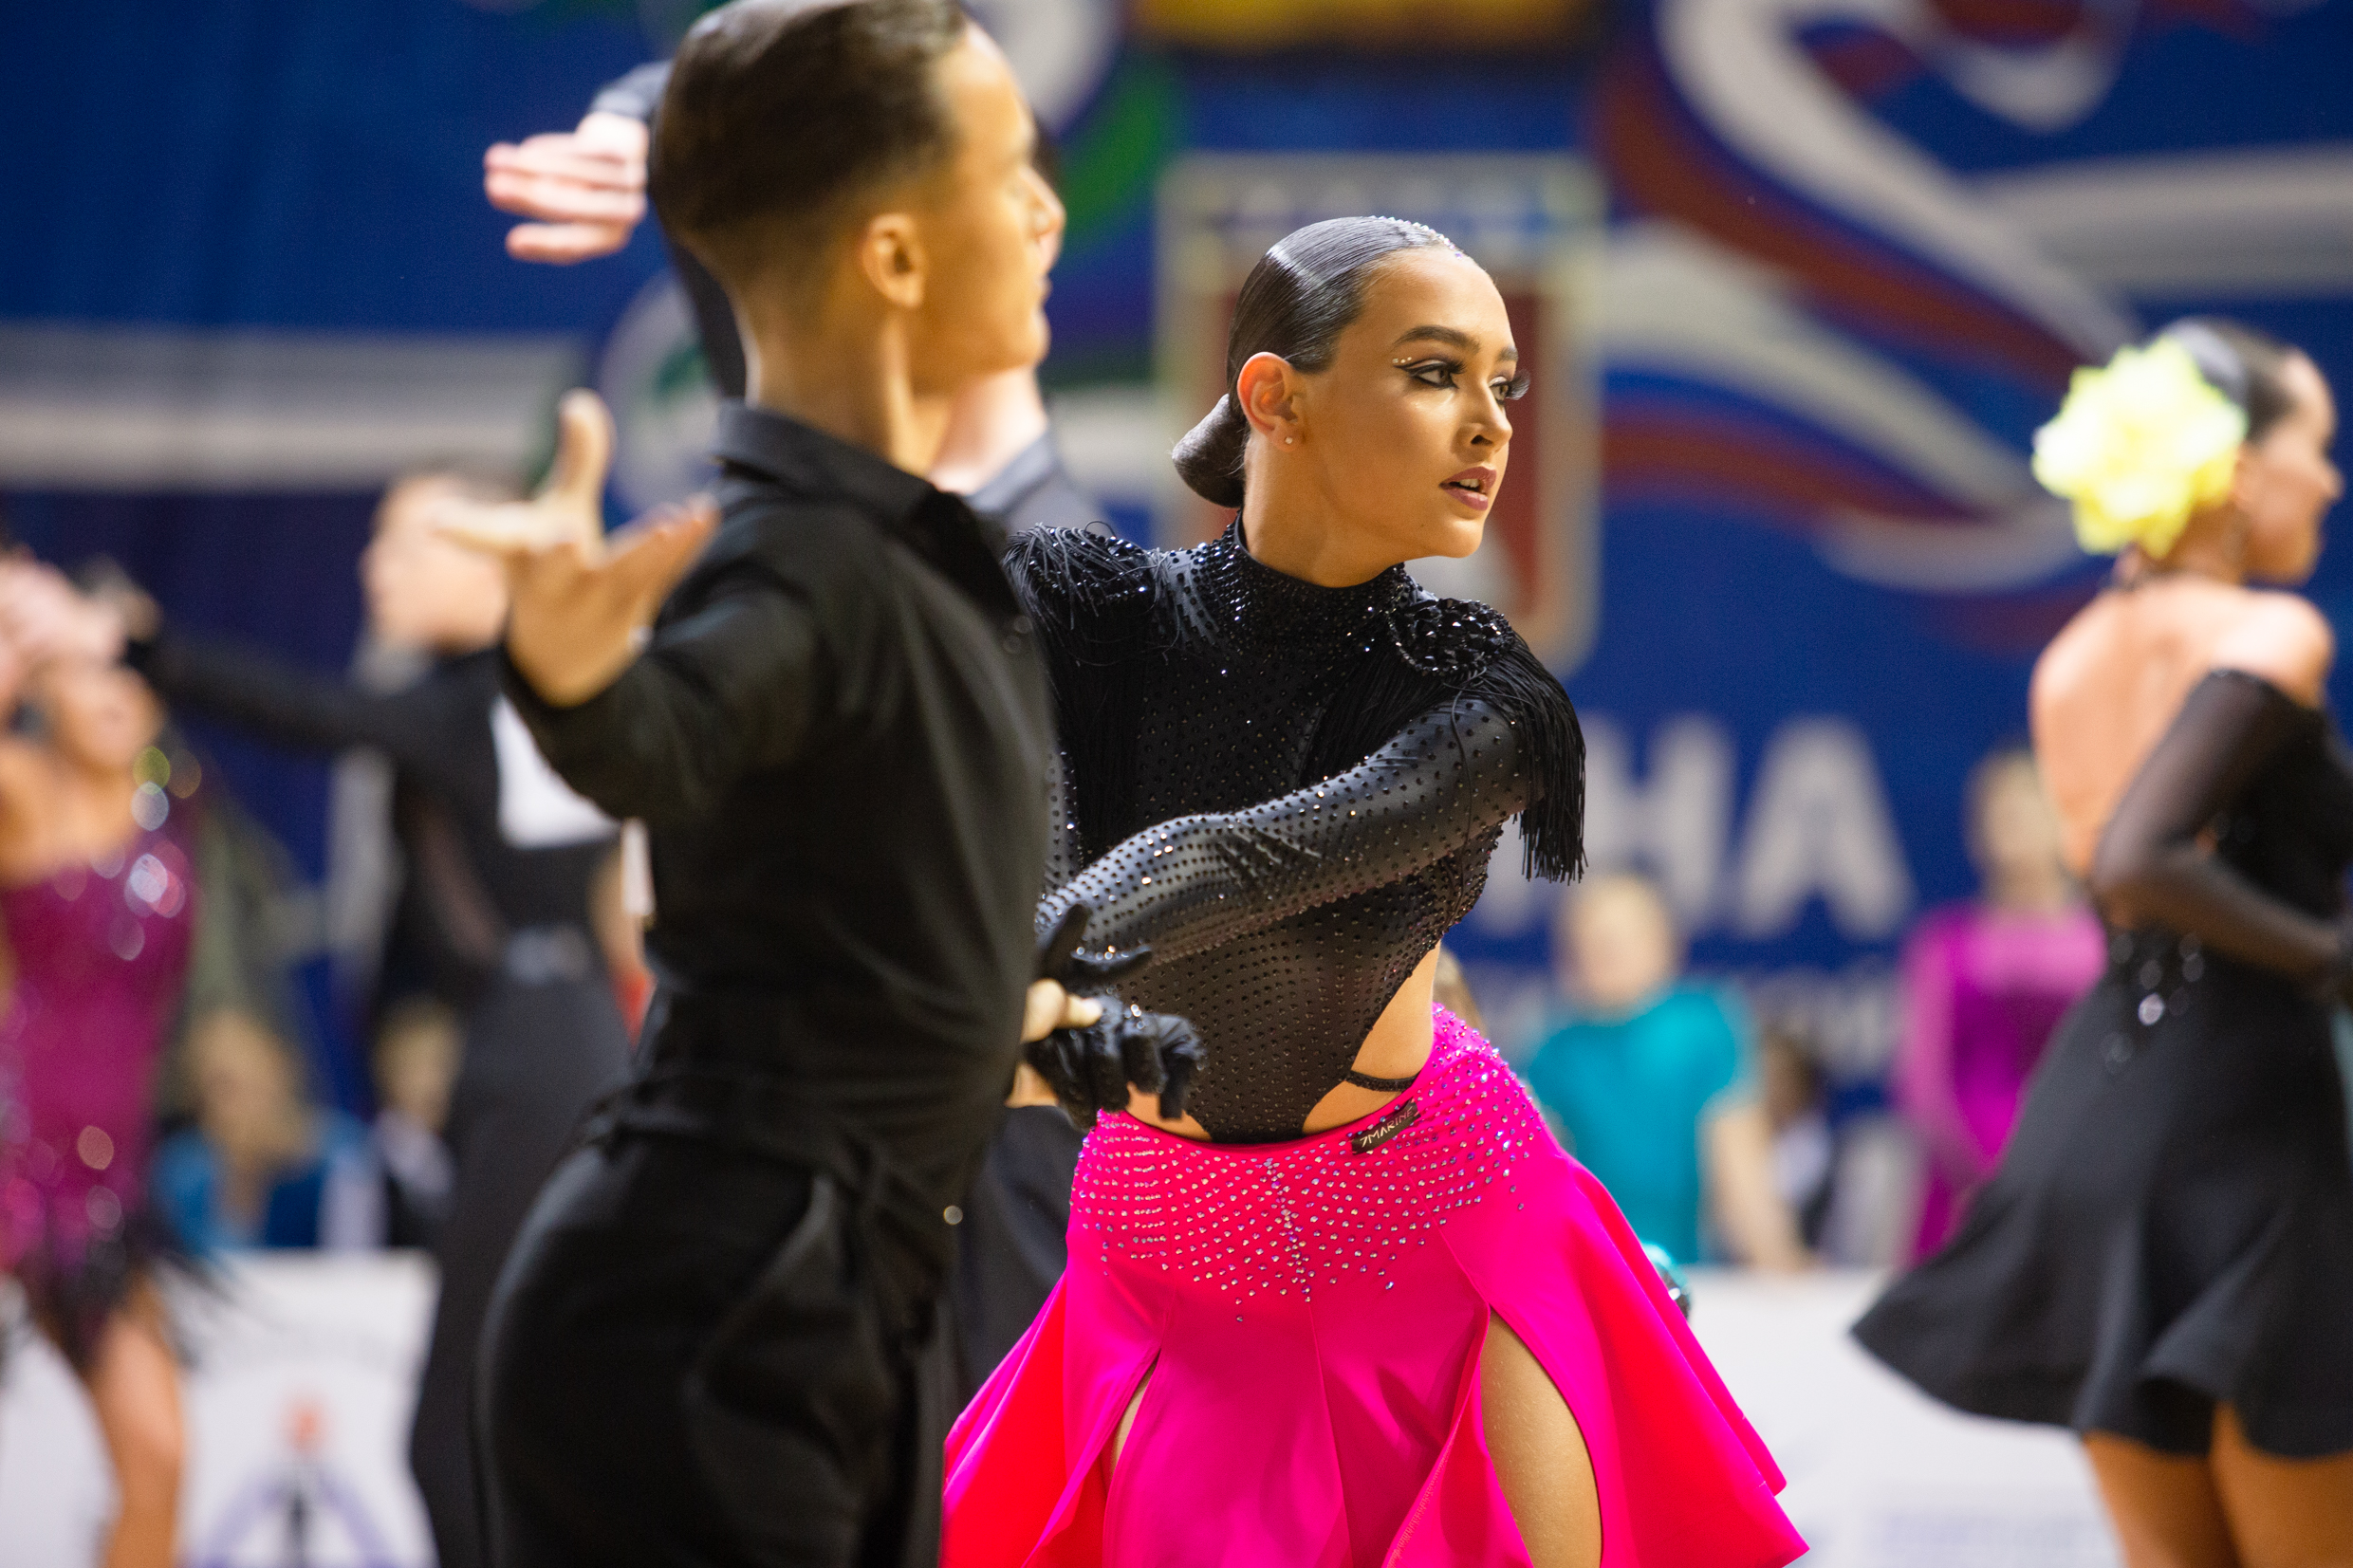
[1209, 459]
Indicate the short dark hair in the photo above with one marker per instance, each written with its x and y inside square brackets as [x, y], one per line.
[780, 114]
[1302, 295]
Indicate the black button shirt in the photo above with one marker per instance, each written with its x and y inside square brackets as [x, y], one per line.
[838, 739]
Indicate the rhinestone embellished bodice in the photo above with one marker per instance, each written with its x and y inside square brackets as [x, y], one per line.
[1288, 792]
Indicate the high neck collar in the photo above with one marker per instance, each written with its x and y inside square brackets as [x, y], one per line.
[1257, 604]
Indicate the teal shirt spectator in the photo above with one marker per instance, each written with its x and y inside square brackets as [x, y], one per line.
[1632, 1095]
[330, 1199]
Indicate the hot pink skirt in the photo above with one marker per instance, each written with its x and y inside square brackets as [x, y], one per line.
[1310, 1315]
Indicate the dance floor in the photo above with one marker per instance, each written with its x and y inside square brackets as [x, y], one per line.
[299, 1396]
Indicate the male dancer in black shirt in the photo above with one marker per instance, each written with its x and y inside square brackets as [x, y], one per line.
[715, 1342]
[584, 191]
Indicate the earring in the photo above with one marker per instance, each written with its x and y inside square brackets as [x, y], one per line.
[1288, 440]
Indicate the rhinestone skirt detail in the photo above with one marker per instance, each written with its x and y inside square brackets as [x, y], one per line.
[1281, 1219]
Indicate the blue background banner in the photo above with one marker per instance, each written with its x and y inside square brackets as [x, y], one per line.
[1851, 253]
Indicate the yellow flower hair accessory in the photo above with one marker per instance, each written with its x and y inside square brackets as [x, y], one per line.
[2139, 446]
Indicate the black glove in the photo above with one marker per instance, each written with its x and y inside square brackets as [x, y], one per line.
[1082, 973]
[1090, 1068]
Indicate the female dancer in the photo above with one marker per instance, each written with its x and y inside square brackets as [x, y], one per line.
[504, 865]
[2165, 1259]
[98, 904]
[1357, 1308]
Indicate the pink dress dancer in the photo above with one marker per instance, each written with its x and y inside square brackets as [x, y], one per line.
[1983, 990]
[98, 953]
[1289, 792]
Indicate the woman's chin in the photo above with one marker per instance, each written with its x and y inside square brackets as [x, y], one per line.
[1457, 537]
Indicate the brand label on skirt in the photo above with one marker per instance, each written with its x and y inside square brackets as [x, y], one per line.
[1386, 1128]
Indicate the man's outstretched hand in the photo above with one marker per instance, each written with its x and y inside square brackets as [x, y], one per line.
[584, 189]
[581, 602]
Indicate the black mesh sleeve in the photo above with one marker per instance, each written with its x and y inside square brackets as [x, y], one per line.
[2153, 864]
[1448, 778]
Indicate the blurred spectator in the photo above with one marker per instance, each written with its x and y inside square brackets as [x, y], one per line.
[416, 1052]
[1652, 1083]
[1797, 1105]
[261, 1167]
[1985, 982]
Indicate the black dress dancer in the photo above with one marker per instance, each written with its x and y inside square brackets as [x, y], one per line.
[2172, 1224]
[2164, 1260]
[511, 944]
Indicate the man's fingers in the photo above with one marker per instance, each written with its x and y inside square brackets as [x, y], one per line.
[668, 514]
[563, 156]
[649, 565]
[562, 200]
[506, 532]
[562, 244]
[575, 487]
[1079, 1012]
[1042, 1010]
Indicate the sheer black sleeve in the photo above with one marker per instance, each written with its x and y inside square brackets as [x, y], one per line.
[727, 689]
[2153, 864]
[1450, 777]
[285, 703]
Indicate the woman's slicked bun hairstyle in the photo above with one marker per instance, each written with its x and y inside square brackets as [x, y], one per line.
[1304, 293]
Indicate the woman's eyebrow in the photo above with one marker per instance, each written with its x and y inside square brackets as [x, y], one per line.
[1451, 338]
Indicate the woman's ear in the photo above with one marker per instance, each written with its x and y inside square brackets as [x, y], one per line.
[2246, 481]
[890, 255]
[1268, 392]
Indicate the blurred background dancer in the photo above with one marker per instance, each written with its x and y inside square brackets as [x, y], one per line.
[2164, 1261]
[507, 870]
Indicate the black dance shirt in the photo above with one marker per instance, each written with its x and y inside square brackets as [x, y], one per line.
[1288, 792]
[839, 738]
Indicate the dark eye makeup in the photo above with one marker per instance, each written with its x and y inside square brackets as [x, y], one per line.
[1441, 373]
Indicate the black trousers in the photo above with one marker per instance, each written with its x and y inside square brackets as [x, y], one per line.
[536, 1058]
[1014, 1244]
[702, 1356]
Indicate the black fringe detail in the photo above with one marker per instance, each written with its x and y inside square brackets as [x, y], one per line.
[1552, 828]
[1454, 649]
[71, 1297]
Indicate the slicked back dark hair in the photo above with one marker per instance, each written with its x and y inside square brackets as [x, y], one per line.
[1302, 295]
[781, 114]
